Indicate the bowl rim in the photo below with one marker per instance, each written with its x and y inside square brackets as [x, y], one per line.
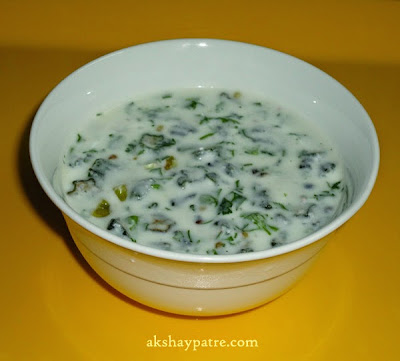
[195, 258]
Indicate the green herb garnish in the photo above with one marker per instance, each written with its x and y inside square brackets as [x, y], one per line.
[206, 136]
[252, 151]
[192, 103]
[282, 206]
[208, 199]
[260, 221]
[225, 207]
[334, 185]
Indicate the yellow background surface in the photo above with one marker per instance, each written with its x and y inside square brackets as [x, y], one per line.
[53, 306]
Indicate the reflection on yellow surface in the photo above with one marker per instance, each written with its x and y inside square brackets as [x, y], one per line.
[55, 308]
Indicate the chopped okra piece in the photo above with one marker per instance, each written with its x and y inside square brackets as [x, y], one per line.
[155, 141]
[84, 185]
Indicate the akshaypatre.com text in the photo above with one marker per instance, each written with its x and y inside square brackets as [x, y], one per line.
[196, 344]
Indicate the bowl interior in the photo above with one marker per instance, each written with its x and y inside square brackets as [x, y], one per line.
[187, 63]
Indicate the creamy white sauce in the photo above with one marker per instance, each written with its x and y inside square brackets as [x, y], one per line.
[203, 171]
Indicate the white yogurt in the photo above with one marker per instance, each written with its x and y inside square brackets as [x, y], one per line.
[203, 171]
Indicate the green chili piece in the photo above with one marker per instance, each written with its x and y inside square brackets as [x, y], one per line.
[132, 222]
[102, 209]
[121, 192]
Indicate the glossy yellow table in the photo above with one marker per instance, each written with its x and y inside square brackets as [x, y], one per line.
[53, 306]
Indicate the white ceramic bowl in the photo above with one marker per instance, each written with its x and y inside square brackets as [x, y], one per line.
[196, 284]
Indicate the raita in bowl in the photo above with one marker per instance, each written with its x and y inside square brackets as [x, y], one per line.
[201, 176]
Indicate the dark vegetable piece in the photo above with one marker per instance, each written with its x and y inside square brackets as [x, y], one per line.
[85, 159]
[225, 95]
[246, 250]
[99, 168]
[201, 152]
[130, 147]
[180, 237]
[117, 228]
[307, 159]
[225, 207]
[183, 179]
[212, 177]
[230, 169]
[160, 224]
[259, 172]
[83, 185]
[141, 188]
[182, 130]
[327, 167]
[155, 141]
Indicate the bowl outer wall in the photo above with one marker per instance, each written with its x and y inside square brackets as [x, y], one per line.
[194, 289]
[107, 81]
[190, 274]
